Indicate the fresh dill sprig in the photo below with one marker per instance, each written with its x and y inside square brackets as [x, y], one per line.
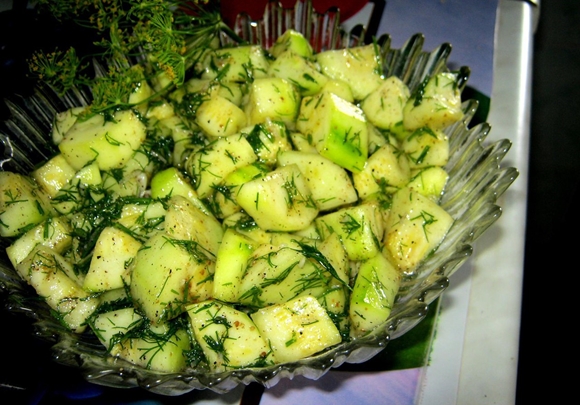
[163, 38]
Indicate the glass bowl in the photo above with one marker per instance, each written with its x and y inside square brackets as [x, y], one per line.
[476, 181]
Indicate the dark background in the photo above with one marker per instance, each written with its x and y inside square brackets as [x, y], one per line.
[549, 304]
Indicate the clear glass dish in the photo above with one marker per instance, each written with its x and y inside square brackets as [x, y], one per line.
[477, 180]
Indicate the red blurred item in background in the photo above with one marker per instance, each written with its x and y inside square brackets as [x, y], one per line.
[255, 9]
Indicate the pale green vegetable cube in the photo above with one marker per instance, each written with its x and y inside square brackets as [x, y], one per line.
[162, 348]
[415, 228]
[143, 220]
[90, 175]
[228, 337]
[184, 220]
[237, 64]
[109, 325]
[329, 183]
[437, 104]
[302, 143]
[233, 255]
[268, 139]
[209, 166]
[426, 147]
[112, 255]
[54, 174]
[63, 121]
[359, 66]
[272, 98]
[340, 88]
[333, 250]
[168, 274]
[245, 224]
[53, 233]
[276, 274]
[160, 110]
[171, 182]
[299, 71]
[296, 329]
[218, 116]
[373, 295]
[233, 91]
[181, 131]
[292, 40]
[430, 182]
[360, 229]
[338, 129]
[225, 197]
[111, 143]
[384, 106]
[280, 200]
[22, 204]
[49, 274]
[378, 138]
[386, 171]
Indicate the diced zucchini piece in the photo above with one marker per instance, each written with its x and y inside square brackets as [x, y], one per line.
[415, 228]
[384, 106]
[49, 274]
[360, 229]
[357, 65]
[292, 40]
[299, 71]
[426, 147]
[53, 233]
[109, 325]
[301, 142]
[237, 64]
[245, 224]
[373, 295]
[233, 255]
[90, 175]
[159, 347]
[228, 337]
[296, 329]
[279, 201]
[333, 250]
[209, 166]
[386, 171]
[233, 91]
[340, 88]
[160, 110]
[225, 197]
[184, 220]
[430, 182]
[112, 255]
[329, 183]
[54, 174]
[276, 274]
[436, 104]
[168, 274]
[22, 204]
[338, 129]
[272, 98]
[171, 182]
[218, 116]
[144, 219]
[63, 121]
[181, 131]
[378, 138]
[268, 139]
[111, 143]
